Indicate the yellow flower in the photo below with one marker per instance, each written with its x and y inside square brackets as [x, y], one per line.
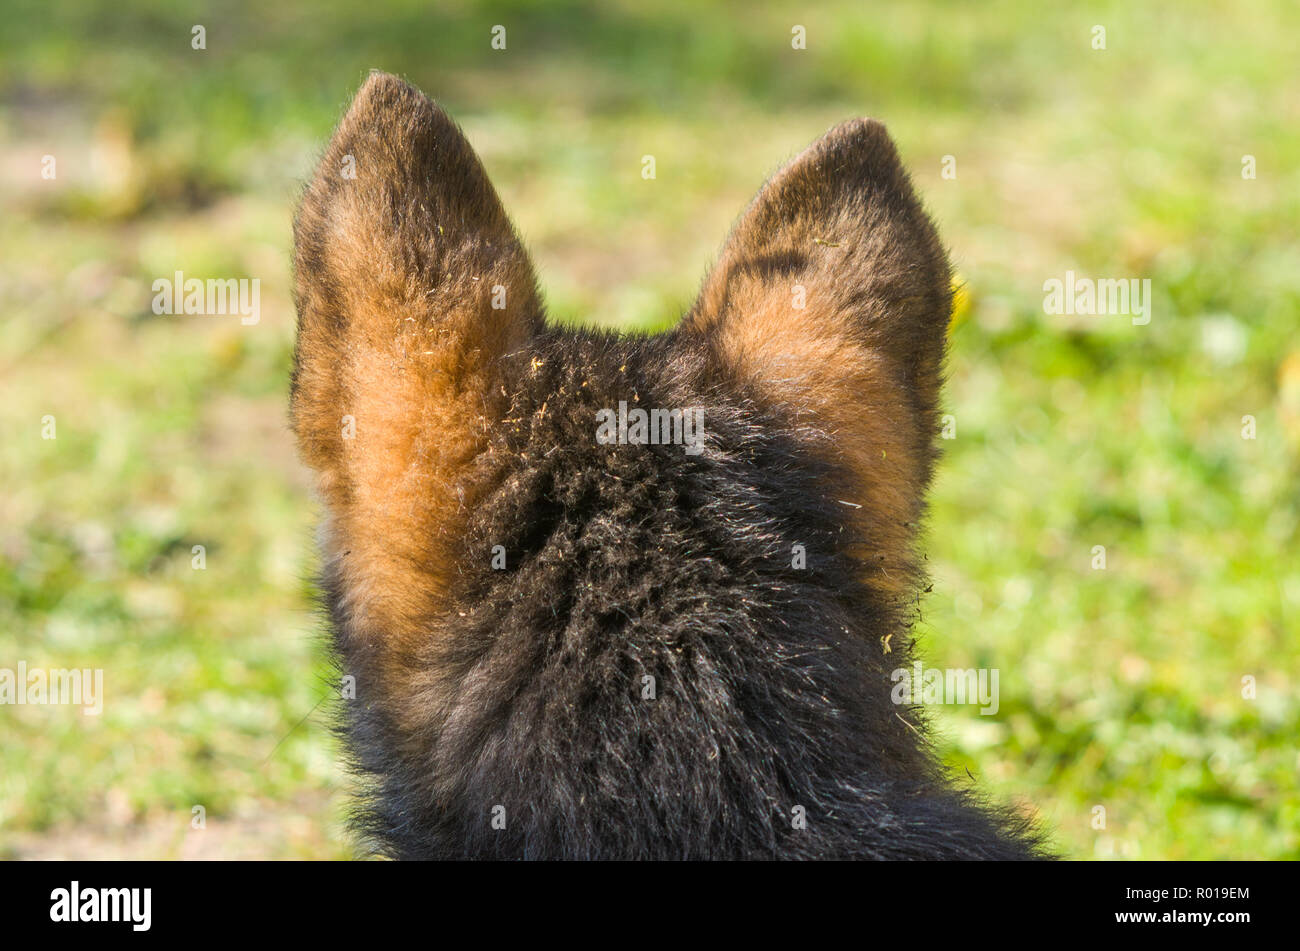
[961, 300]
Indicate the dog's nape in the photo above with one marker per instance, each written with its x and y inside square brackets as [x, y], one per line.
[500, 712]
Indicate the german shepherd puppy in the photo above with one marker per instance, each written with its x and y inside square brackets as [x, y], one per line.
[576, 634]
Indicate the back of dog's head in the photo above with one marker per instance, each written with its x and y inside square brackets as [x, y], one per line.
[625, 596]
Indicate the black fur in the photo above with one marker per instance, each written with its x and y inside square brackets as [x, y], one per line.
[625, 561]
[501, 712]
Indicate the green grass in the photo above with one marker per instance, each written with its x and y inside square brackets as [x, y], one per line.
[1120, 688]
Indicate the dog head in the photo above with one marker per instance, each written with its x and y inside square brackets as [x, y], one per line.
[503, 553]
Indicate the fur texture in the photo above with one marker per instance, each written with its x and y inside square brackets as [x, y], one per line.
[502, 712]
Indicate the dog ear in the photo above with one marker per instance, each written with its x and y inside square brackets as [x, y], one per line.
[831, 299]
[411, 286]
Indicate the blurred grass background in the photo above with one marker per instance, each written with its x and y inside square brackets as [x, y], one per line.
[1120, 688]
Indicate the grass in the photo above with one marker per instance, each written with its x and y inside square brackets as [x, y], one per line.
[1121, 688]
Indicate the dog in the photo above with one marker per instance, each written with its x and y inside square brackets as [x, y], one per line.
[626, 597]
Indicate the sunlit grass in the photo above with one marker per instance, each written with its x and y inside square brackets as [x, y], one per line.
[1121, 688]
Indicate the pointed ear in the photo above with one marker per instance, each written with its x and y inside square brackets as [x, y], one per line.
[832, 298]
[411, 286]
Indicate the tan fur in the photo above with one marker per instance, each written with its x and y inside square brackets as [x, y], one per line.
[481, 685]
[395, 273]
[861, 360]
